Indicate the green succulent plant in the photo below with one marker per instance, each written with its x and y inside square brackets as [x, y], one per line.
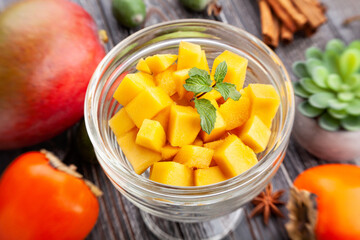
[330, 85]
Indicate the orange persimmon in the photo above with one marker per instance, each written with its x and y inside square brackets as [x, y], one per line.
[38, 201]
[337, 187]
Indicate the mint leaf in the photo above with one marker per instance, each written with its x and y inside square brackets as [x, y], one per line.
[196, 71]
[199, 81]
[220, 72]
[197, 84]
[207, 114]
[227, 90]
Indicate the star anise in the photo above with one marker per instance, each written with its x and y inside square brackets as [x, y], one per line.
[266, 203]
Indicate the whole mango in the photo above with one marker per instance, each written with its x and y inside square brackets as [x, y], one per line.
[48, 52]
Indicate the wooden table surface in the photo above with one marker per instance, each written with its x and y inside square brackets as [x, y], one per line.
[119, 219]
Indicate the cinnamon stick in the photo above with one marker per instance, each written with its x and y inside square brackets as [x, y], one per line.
[286, 35]
[312, 10]
[282, 14]
[269, 24]
[298, 17]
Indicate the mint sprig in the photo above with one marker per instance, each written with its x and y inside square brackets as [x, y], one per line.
[199, 82]
[207, 114]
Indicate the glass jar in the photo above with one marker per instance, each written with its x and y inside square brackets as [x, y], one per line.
[186, 204]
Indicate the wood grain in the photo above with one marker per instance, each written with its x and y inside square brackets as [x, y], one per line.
[119, 219]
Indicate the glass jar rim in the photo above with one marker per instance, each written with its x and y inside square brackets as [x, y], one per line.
[154, 189]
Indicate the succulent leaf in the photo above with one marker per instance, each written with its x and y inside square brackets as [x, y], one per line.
[331, 59]
[355, 45]
[320, 74]
[345, 96]
[321, 100]
[354, 108]
[338, 114]
[334, 82]
[309, 111]
[309, 86]
[351, 123]
[327, 122]
[300, 91]
[349, 62]
[312, 63]
[314, 52]
[336, 45]
[300, 70]
[336, 104]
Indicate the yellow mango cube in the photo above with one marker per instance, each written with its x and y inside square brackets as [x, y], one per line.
[143, 67]
[214, 144]
[163, 118]
[264, 100]
[194, 156]
[140, 158]
[208, 176]
[198, 142]
[171, 173]
[236, 68]
[203, 64]
[151, 135]
[235, 113]
[121, 123]
[131, 86]
[160, 62]
[166, 81]
[217, 132]
[189, 55]
[147, 104]
[255, 134]
[213, 94]
[184, 125]
[234, 157]
[168, 152]
[179, 78]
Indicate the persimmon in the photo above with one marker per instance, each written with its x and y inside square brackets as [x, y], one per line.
[41, 198]
[337, 187]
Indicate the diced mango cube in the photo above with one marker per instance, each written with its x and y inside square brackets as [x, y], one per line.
[236, 68]
[160, 62]
[151, 135]
[184, 125]
[264, 100]
[121, 123]
[213, 94]
[179, 77]
[131, 86]
[234, 157]
[143, 67]
[203, 64]
[214, 144]
[217, 132]
[235, 113]
[198, 142]
[189, 55]
[147, 104]
[255, 134]
[208, 176]
[168, 152]
[140, 158]
[163, 118]
[166, 81]
[171, 173]
[194, 156]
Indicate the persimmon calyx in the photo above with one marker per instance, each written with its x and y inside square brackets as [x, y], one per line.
[56, 163]
[302, 214]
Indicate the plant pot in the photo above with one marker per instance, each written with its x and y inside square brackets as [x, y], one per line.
[336, 146]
